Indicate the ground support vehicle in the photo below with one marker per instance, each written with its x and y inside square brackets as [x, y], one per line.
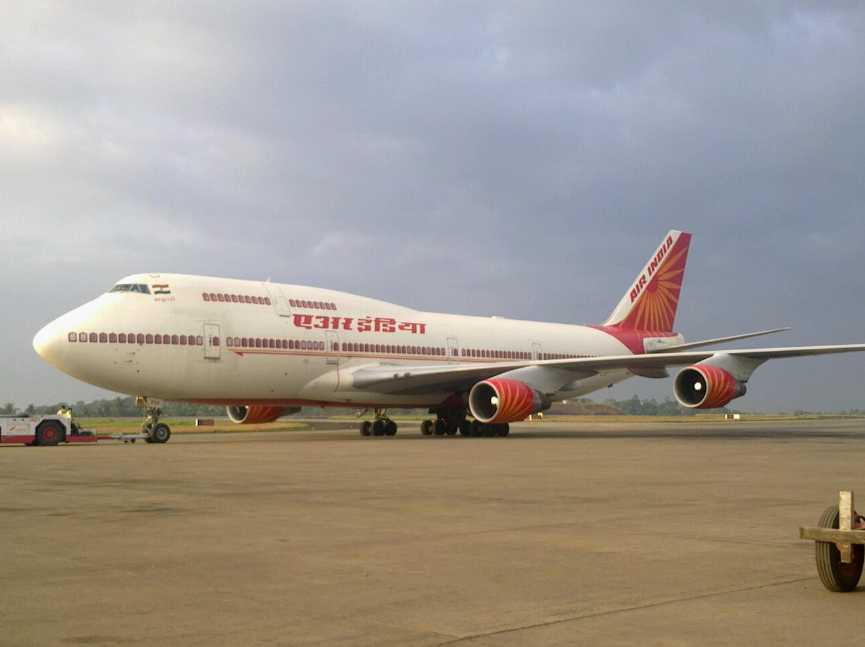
[42, 430]
[54, 430]
[839, 541]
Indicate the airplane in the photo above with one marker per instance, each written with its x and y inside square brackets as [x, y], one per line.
[265, 350]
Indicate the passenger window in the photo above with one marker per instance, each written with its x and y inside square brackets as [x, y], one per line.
[157, 339]
[73, 337]
[121, 338]
[148, 339]
[234, 298]
[205, 296]
[220, 297]
[215, 341]
[93, 338]
[140, 338]
[175, 340]
[112, 338]
[103, 338]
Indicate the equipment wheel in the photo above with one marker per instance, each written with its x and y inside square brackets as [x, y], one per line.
[160, 434]
[378, 427]
[49, 432]
[365, 428]
[440, 428]
[390, 428]
[836, 575]
[426, 427]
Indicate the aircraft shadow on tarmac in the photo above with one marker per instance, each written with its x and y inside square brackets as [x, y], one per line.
[816, 433]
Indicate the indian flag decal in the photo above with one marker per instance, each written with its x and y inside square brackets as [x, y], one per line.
[161, 288]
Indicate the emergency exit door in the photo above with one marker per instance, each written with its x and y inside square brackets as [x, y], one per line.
[212, 342]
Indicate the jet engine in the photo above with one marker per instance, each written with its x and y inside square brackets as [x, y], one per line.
[500, 400]
[704, 386]
[253, 414]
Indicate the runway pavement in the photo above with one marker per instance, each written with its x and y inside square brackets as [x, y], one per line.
[563, 534]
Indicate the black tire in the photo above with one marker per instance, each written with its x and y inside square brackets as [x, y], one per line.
[835, 575]
[49, 433]
[378, 427]
[160, 434]
[503, 430]
[476, 429]
[440, 427]
[366, 428]
[390, 428]
[465, 427]
[451, 426]
[426, 427]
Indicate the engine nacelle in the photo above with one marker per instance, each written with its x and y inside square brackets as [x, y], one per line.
[499, 400]
[257, 414]
[704, 386]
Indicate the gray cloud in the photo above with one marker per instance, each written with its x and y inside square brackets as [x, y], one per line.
[520, 159]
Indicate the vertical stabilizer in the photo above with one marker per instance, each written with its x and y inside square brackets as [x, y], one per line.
[652, 300]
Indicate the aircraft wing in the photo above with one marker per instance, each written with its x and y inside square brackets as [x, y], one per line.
[458, 376]
[717, 340]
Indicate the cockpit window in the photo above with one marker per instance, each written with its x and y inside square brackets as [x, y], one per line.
[141, 288]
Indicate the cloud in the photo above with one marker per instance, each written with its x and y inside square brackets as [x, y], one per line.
[520, 159]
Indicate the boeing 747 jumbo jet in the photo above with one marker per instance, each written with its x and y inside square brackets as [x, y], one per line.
[265, 349]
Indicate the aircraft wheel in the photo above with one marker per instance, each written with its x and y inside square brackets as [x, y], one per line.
[476, 429]
[464, 426]
[378, 427]
[503, 430]
[390, 428]
[451, 426]
[426, 427]
[365, 428]
[160, 434]
[48, 433]
[439, 428]
[836, 575]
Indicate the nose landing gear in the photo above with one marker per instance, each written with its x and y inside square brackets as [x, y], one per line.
[157, 432]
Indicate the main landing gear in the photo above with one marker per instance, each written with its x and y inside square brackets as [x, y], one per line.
[451, 423]
[381, 426]
[157, 432]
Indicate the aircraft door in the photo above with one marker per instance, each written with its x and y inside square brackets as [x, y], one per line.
[212, 341]
[536, 350]
[277, 299]
[453, 349]
[331, 346]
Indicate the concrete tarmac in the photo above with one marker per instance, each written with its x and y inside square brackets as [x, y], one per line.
[563, 534]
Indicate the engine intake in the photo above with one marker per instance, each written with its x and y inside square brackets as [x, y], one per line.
[257, 414]
[704, 386]
[502, 400]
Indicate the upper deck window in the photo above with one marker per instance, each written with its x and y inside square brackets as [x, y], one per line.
[141, 288]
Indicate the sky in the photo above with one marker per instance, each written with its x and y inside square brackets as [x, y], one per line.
[520, 159]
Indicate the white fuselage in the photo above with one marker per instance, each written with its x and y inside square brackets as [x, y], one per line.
[229, 341]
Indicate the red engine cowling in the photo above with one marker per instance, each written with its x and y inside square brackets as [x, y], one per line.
[704, 386]
[256, 414]
[503, 400]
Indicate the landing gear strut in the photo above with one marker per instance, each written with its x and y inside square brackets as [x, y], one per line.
[381, 426]
[157, 432]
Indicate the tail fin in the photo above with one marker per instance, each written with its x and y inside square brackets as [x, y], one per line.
[651, 302]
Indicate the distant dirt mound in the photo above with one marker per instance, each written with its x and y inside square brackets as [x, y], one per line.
[582, 407]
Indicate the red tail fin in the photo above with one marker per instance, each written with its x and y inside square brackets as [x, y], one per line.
[652, 301]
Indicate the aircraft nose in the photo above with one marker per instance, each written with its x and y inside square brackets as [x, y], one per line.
[47, 342]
